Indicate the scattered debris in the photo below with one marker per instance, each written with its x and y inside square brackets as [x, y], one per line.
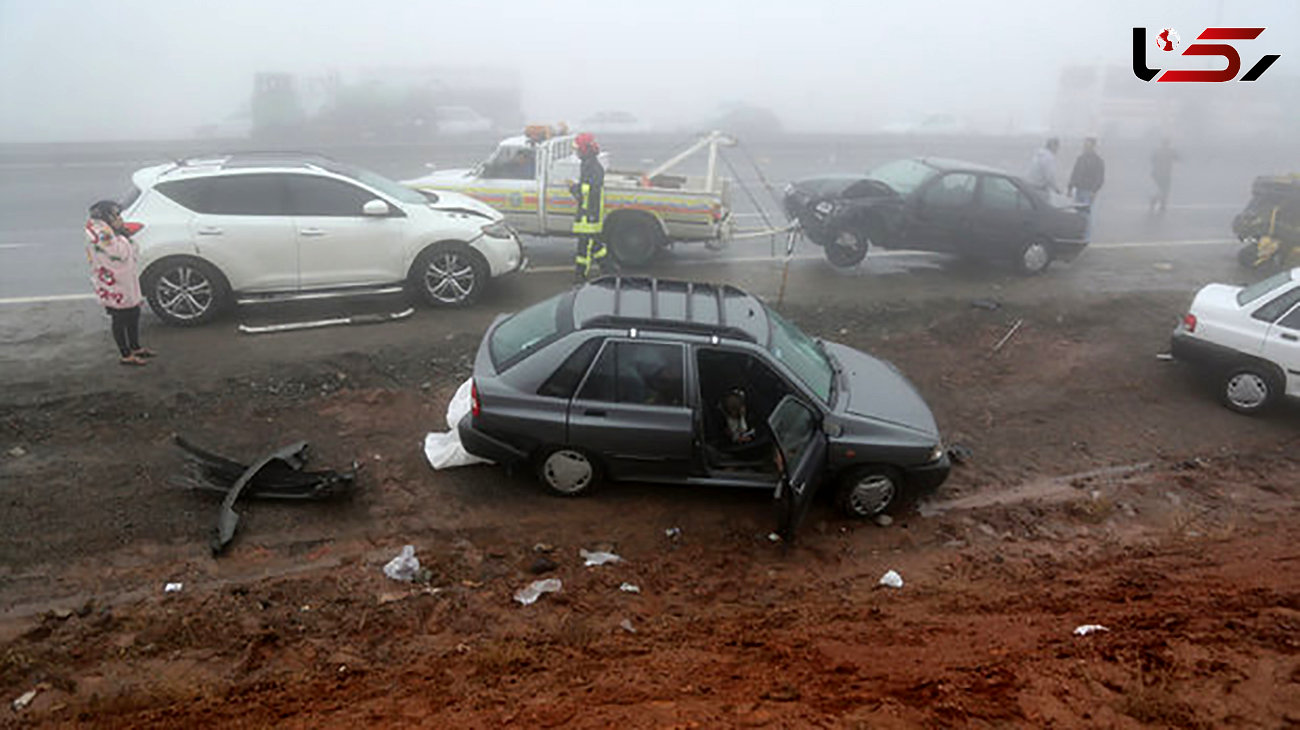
[25, 699]
[173, 588]
[883, 520]
[1165, 356]
[17, 452]
[1086, 629]
[542, 565]
[354, 319]
[529, 595]
[891, 580]
[1010, 333]
[405, 567]
[61, 614]
[989, 304]
[278, 475]
[959, 453]
[598, 557]
[627, 626]
[773, 537]
[672, 533]
[630, 588]
[444, 450]
[542, 547]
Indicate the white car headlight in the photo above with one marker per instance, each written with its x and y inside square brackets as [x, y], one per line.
[937, 453]
[498, 229]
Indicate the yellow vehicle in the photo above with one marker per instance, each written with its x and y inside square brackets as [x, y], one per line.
[527, 179]
[1270, 224]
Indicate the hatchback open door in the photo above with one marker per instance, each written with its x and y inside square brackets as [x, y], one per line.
[801, 458]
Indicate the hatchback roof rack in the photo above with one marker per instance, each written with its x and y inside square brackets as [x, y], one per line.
[670, 305]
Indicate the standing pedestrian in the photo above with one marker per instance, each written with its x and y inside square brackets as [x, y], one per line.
[1042, 166]
[589, 216]
[115, 277]
[1162, 169]
[1086, 179]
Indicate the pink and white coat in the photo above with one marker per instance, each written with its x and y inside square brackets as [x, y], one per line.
[114, 273]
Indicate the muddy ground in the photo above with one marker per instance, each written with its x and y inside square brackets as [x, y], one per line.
[1106, 487]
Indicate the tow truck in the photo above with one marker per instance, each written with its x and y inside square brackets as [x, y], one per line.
[527, 179]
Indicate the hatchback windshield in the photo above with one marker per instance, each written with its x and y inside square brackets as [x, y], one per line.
[902, 175]
[514, 338]
[1260, 288]
[801, 354]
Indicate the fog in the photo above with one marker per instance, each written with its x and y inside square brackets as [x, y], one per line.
[145, 69]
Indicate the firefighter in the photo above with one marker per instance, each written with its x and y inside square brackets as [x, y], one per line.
[589, 217]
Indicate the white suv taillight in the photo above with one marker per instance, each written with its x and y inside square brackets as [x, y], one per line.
[1189, 322]
[473, 398]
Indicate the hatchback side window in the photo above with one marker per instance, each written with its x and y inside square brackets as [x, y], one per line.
[1278, 306]
[953, 190]
[638, 373]
[312, 195]
[999, 193]
[243, 195]
[565, 379]
[1292, 320]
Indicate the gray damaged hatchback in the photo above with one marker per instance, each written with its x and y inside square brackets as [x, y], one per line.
[673, 381]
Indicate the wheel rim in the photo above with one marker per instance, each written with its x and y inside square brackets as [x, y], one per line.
[871, 495]
[449, 277]
[567, 471]
[1247, 391]
[1035, 257]
[184, 293]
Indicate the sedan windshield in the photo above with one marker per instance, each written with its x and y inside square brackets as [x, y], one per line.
[1259, 289]
[903, 176]
[802, 355]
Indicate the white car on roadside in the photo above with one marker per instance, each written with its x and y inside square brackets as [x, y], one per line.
[266, 227]
[1248, 337]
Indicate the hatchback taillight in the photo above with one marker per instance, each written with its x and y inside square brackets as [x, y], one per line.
[473, 398]
[132, 228]
[1189, 322]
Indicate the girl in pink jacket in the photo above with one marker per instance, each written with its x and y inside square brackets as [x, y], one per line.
[115, 277]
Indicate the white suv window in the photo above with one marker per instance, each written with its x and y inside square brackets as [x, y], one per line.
[313, 195]
[256, 194]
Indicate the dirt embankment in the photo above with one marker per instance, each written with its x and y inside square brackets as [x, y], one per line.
[1106, 488]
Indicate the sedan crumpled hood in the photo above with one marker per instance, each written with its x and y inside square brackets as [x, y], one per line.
[876, 389]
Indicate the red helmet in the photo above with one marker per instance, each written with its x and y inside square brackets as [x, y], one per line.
[586, 145]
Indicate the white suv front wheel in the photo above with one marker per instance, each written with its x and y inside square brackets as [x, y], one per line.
[449, 275]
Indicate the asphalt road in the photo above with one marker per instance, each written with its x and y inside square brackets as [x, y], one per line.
[46, 313]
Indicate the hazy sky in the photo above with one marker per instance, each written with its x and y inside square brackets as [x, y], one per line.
[76, 69]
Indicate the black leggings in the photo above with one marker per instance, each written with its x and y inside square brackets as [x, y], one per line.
[126, 329]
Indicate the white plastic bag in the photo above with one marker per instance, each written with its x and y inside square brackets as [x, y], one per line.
[533, 591]
[598, 557]
[891, 579]
[444, 450]
[405, 566]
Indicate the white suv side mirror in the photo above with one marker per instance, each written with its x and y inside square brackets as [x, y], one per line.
[375, 207]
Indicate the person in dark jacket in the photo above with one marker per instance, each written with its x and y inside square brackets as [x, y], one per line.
[1162, 171]
[589, 216]
[1086, 179]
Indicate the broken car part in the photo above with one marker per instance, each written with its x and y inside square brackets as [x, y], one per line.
[355, 319]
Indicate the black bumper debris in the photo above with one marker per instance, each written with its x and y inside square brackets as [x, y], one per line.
[277, 475]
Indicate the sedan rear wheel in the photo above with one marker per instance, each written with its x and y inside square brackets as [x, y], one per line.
[568, 472]
[1034, 258]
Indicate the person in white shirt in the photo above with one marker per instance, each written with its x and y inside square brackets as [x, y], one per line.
[1042, 166]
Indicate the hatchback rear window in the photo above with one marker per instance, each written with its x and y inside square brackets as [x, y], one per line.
[524, 332]
[1259, 289]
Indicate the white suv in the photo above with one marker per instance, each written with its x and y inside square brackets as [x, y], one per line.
[263, 227]
[1249, 336]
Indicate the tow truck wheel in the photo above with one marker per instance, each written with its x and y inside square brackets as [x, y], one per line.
[634, 241]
